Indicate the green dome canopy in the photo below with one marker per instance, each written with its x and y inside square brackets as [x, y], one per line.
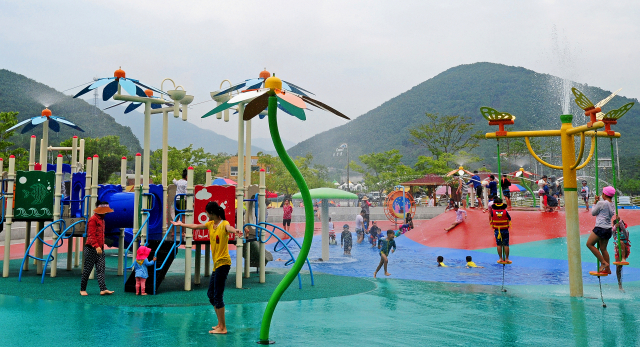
[327, 193]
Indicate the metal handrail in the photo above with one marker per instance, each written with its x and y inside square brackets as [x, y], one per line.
[133, 240]
[174, 247]
[153, 202]
[272, 232]
[175, 199]
[3, 209]
[27, 253]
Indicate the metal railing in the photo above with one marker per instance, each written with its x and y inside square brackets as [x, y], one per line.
[174, 249]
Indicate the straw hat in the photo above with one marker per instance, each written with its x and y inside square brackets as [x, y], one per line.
[365, 198]
[102, 209]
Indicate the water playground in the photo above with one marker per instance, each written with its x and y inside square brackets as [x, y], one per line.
[294, 288]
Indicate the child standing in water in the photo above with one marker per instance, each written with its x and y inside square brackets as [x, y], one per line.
[219, 230]
[584, 193]
[141, 270]
[345, 239]
[386, 245]
[500, 222]
[604, 212]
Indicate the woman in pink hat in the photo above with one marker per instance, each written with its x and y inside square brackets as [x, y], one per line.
[604, 211]
[140, 267]
[94, 249]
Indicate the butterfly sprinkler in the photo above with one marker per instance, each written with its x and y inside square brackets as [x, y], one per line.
[49, 122]
[272, 93]
[138, 96]
[570, 164]
[594, 112]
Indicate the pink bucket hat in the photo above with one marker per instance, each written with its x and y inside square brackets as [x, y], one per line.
[143, 253]
[609, 191]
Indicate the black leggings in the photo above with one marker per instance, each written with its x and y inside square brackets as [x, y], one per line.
[91, 258]
[216, 285]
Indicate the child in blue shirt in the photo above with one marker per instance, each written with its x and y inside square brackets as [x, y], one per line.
[140, 268]
[386, 246]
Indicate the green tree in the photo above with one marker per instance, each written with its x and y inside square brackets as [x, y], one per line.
[109, 151]
[180, 159]
[446, 134]
[382, 171]
[7, 148]
[280, 180]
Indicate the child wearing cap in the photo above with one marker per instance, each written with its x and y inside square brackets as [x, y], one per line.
[345, 239]
[604, 211]
[140, 268]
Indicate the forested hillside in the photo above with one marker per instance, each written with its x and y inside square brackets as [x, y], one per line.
[535, 99]
[28, 97]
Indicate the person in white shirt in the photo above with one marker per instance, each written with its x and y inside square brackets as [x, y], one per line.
[360, 226]
[459, 218]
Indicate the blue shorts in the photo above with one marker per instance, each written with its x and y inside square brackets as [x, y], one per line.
[505, 238]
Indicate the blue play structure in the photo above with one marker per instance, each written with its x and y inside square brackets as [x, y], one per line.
[280, 245]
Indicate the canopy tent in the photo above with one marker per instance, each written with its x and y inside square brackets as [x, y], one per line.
[219, 181]
[326, 194]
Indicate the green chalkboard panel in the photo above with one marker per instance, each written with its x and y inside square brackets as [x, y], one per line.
[34, 195]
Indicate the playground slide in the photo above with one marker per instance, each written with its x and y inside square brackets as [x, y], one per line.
[163, 253]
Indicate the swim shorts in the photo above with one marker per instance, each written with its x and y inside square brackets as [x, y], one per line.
[505, 238]
[479, 192]
[603, 233]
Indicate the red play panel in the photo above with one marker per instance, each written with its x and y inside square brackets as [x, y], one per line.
[526, 226]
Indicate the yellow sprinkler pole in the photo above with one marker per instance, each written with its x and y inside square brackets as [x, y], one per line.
[571, 207]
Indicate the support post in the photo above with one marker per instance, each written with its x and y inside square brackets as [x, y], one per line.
[9, 216]
[32, 162]
[325, 228]
[499, 178]
[262, 212]
[207, 247]
[94, 195]
[87, 192]
[196, 277]
[56, 215]
[247, 183]
[146, 163]
[189, 233]
[165, 167]
[571, 208]
[80, 168]
[43, 167]
[74, 169]
[136, 203]
[240, 196]
[123, 184]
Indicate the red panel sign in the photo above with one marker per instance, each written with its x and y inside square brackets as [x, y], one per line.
[225, 196]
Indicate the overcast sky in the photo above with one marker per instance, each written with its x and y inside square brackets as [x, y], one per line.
[353, 55]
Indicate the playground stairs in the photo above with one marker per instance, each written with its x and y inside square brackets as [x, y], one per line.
[164, 253]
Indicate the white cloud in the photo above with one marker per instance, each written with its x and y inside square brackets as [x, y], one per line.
[203, 195]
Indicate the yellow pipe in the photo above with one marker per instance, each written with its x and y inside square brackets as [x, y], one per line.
[535, 133]
[526, 140]
[601, 134]
[581, 153]
[583, 128]
[586, 161]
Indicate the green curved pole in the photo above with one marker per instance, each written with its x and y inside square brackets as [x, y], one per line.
[309, 219]
[615, 199]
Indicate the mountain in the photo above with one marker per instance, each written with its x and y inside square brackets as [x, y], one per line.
[181, 133]
[536, 99]
[267, 144]
[28, 97]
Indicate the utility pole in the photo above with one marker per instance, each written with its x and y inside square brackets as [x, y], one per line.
[341, 149]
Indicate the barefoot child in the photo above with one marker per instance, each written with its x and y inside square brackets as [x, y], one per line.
[500, 222]
[219, 230]
[346, 240]
[386, 245]
[332, 233]
[140, 268]
[584, 193]
[604, 212]
[459, 218]
[373, 233]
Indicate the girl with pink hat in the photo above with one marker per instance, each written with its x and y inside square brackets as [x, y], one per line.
[604, 211]
[140, 267]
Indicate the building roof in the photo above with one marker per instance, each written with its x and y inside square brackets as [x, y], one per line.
[427, 180]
